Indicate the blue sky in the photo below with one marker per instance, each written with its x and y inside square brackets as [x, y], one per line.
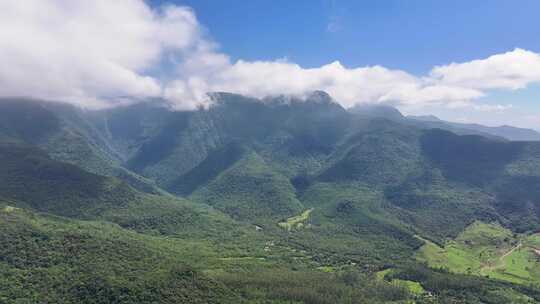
[413, 35]
[469, 61]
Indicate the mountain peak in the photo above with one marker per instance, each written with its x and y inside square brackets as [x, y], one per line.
[377, 110]
[319, 97]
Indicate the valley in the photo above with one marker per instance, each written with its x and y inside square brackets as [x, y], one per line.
[269, 152]
[261, 202]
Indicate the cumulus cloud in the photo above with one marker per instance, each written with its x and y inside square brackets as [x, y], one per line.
[512, 70]
[347, 86]
[453, 84]
[93, 53]
[88, 52]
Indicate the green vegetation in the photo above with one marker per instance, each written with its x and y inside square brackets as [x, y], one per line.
[48, 259]
[216, 162]
[413, 287]
[285, 286]
[487, 250]
[250, 190]
[348, 220]
[443, 287]
[67, 135]
[396, 213]
[297, 221]
[30, 179]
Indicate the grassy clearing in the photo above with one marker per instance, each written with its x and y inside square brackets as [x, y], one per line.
[9, 209]
[297, 221]
[327, 269]
[522, 265]
[516, 267]
[412, 286]
[487, 250]
[380, 275]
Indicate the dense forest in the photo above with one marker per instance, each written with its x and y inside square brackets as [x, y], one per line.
[278, 200]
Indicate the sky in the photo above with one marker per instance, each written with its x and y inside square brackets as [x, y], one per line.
[467, 61]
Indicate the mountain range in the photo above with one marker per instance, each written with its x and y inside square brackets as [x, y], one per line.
[274, 200]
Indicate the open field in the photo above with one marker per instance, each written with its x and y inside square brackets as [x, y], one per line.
[488, 250]
[297, 221]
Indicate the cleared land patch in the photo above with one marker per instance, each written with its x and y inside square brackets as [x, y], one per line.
[412, 286]
[8, 209]
[487, 250]
[297, 221]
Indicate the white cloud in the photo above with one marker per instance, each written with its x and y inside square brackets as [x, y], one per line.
[348, 86]
[90, 52]
[87, 51]
[512, 70]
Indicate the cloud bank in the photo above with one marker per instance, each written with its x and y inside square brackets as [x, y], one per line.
[93, 53]
[88, 52]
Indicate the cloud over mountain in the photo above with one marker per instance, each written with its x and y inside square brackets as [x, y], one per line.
[88, 52]
[92, 53]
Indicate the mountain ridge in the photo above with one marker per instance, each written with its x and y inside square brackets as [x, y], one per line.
[359, 193]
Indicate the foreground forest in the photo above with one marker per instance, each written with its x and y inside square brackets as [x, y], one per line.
[278, 200]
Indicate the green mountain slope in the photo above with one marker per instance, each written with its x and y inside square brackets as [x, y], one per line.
[164, 145]
[432, 182]
[380, 154]
[30, 179]
[216, 162]
[292, 189]
[350, 220]
[487, 250]
[508, 132]
[45, 259]
[250, 189]
[67, 134]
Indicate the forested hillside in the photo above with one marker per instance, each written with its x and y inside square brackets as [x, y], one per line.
[280, 200]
